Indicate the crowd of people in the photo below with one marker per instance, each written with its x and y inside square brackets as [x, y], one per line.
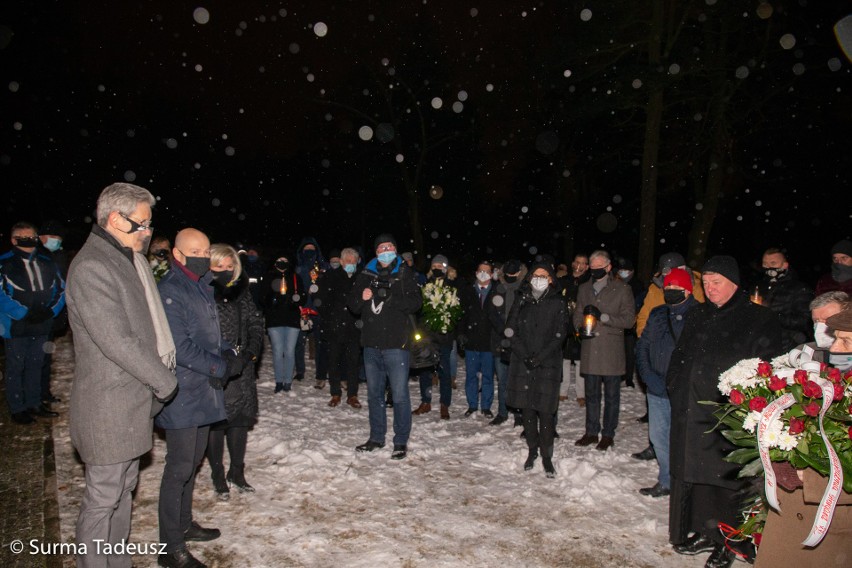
[170, 335]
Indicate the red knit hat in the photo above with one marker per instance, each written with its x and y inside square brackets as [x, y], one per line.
[678, 277]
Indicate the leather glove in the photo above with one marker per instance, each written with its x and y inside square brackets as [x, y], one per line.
[593, 310]
[234, 362]
[532, 362]
[217, 382]
[38, 314]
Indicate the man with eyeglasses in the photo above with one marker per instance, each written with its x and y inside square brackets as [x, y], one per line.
[124, 365]
[32, 293]
[204, 365]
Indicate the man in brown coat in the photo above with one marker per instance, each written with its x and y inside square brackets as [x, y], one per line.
[124, 359]
[602, 359]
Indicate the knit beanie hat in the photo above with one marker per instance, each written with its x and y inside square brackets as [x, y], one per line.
[671, 260]
[384, 238]
[678, 277]
[842, 247]
[440, 259]
[725, 265]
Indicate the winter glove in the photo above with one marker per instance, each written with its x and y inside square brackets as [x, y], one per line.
[38, 314]
[532, 362]
[217, 382]
[593, 310]
[234, 362]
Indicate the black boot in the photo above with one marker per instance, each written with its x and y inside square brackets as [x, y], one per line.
[220, 486]
[236, 477]
[533, 455]
[548, 467]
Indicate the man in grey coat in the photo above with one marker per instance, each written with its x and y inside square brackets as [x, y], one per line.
[124, 365]
[602, 358]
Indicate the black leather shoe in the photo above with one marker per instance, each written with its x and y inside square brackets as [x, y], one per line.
[605, 443]
[721, 557]
[197, 533]
[655, 491]
[498, 420]
[179, 559]
[369, 446]
[399, 452]
[646, 454]
[42, 411]
[488, 414]
[469, 411]
[22, 417]
[696, 544]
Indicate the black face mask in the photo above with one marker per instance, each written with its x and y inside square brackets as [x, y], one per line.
[26, 242]
[223, 277]
[775, 273]
[672, 297]
[198, 265]
[282, 265]
[597, 273]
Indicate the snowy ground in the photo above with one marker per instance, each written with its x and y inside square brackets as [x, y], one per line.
[461, 498]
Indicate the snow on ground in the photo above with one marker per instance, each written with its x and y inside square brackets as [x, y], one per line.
[461, 498]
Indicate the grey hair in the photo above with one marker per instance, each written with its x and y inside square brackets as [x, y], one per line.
[600, 254]
[123, 198]
[833, 297]
[348, 251]
[220, 252]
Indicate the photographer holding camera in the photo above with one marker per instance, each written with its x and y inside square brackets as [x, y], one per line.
[385, 295]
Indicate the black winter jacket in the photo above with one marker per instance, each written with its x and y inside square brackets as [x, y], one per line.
[241, 324]
[386, 317]
[480, 324]
[537, 329]
[655, 346]
[713, 340]
[339, 324]
[283, 310]
[790, 298]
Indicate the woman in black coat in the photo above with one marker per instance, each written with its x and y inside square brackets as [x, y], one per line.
[241, 324]
[536, 327]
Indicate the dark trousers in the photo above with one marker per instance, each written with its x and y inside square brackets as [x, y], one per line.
[699, 508]
[184, 452]
[237, 437]
[343, 359]
[612, 403]
[539, 428]
[24, 359]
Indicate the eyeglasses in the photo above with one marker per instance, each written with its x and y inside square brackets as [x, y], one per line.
[385, 248]
[136, 226]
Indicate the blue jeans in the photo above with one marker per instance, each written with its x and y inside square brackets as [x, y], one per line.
[612, 402]
[385, 366]
[659, 428]
[502, 386]
[283, 340]
[24, 359]
[479, 361]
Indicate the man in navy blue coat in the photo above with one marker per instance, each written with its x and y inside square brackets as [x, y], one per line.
[203, 367]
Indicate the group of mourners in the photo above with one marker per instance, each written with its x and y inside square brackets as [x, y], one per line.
[174, 340]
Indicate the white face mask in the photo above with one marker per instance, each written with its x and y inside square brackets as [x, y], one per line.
[539, 283]
[843, 361]
[821, 336]
[483, 276]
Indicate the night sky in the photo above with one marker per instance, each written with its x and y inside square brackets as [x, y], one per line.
[518, 124]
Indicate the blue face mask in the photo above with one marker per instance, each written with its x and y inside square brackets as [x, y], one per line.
[349, 268]
[53, 244]
[387, 257]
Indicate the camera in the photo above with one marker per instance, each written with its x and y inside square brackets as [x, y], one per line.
[381, 286]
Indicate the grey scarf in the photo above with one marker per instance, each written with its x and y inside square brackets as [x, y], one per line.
[165, 344]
